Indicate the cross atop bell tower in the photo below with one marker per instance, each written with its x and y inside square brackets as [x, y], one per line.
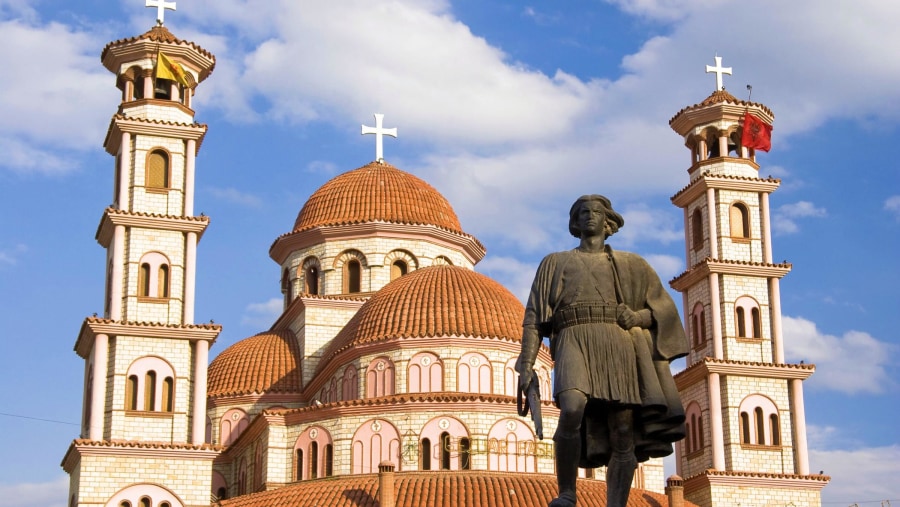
[161, 6]
[718, 70]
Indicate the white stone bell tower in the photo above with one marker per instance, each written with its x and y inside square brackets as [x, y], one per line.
[143, 423]
[746, 441]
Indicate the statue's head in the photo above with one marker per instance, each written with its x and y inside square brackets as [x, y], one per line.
[613, 220]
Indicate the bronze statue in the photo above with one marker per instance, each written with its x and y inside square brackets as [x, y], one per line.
[613, 330]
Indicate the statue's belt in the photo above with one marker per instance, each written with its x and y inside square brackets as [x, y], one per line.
[574, 315]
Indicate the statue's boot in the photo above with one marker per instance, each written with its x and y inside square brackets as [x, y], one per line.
[568, 452]
[619, 475]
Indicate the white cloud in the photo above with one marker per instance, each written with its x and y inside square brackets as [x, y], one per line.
[865, 474]
[236, 196]
[784, 221]
[892, 206]
[10, 256]
[853, 363]
[40, 114]
[43, 494]
[666, 266]
[512, 273]
[262, 315]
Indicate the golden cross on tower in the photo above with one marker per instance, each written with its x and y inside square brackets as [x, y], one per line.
[161, 6]
[379, 132]
[718, 69]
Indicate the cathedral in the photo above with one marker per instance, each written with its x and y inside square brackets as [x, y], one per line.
[388, 378]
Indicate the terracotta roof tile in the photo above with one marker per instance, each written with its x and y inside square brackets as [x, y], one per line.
[101, 320]
[145, 445]
[266, 363]
[439, 489]
[434, 301]
[376, 192]
[158, 34]
[720, 97]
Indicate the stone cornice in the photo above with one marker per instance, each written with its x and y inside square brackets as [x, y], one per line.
[244, 400]
[700, 370]
[292, 241]
[123, 124]
[743, 480]
[698, 187]
[113, 217]
[137, 450]
[93, 326]
[700, 271]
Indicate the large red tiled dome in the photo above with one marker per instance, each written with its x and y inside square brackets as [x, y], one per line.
[377, 192]
[266, 363]
[434, 301]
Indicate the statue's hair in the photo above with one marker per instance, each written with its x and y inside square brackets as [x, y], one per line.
[614, 221]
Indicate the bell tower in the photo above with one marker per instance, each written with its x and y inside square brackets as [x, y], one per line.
[143, 434]
[746, 429]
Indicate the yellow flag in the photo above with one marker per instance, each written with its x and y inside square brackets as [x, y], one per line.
[173, 71]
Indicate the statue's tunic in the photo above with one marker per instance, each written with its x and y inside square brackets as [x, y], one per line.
[574, 301]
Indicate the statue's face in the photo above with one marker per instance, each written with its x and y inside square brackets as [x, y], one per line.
[591, 218]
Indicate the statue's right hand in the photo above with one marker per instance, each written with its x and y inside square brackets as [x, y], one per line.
[526, 375]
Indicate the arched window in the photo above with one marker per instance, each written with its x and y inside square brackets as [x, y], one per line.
[398, 269]
[441, 260]
[149, 390]
[123, 503]
[425, 459]
[144, 280]
[311, 280]
[313, 460]
[693, 440]
[144, 502]
[744, 307]
[222, 493]
[766, 430]
[352, 276]
[231, 425]
[697, 229]
[131, 390]
[425, 374]
[465, 447]
[380, 378]
[168, 389]
[745, 428]
[473, 374]
[299, 466]
[154, 263]
[165, 504]
[698, 325]
[162, 288]
[445, 451]
[157, 174]
[350, 384]
[329, 460]
[374, 441]
[286, 285]
[740, 221]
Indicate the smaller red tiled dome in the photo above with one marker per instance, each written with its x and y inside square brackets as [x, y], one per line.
[266, 363]
[434, 301]
[377, 192]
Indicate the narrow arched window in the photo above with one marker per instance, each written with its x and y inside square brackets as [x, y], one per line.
[149, 390]
[299, 464]
[465, 446]
[167, 394]
[329, 460]
[760, 422]
[165, 504]
[697, 229]
[352, 272]
[757, 324]
[144, 502]
[313, 460]
[222, 493]
[745, 428]
[131, 387]
[426, 454]
[163, 281]
[741, 322]
[398, 269]
[157, 173]
[144, 280]
[445, 451]
[774, 429]
[740, 221]
[312, 280]
[123, 503]
[286, 285]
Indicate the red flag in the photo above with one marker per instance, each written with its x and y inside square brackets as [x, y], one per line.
[757, 133]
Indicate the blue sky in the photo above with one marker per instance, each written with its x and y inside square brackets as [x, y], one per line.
[511, 110]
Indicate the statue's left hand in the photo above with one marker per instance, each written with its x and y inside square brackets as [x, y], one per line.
[627, 318]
